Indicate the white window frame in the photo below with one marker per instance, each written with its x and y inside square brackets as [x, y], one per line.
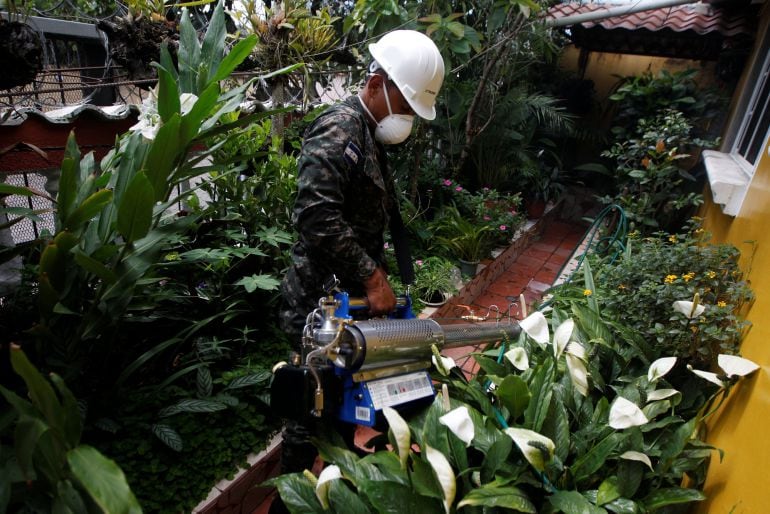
[729, 171]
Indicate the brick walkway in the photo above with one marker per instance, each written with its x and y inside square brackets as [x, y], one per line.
[531, 273]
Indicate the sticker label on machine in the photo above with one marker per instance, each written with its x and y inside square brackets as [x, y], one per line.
[401, 389]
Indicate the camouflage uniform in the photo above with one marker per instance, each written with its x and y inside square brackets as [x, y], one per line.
[344, 196]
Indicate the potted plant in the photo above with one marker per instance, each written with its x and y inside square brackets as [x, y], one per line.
[433, 280]
[463, 238]
[20, 50]
[541, 187]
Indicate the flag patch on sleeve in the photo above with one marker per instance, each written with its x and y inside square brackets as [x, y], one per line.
[352, 154]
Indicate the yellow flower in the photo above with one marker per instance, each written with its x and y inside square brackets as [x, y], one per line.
[672, 238]
[711, 274]
[688, 276]
[693, 329]
[670, 279]
[720, 303]
[622, 287]
[633, 234]
[587, 292]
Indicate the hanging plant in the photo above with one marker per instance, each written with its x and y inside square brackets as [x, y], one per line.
[21, 51]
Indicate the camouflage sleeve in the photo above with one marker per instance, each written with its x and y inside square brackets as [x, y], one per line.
[318, 211]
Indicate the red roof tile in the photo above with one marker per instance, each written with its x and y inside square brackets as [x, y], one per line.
[700, 18]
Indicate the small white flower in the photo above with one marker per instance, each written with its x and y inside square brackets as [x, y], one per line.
[625, 414]
[561, 336]
[536, 327]
[707, 375]
[518, 357]
[686, 308]
[400, 433]
[444, 365]
[660, 367]
[328, 474]
[444, 473]
[186, 102]
[637, 456]
[460, 423]
[537, 448]
[735, 366]
[661, 394]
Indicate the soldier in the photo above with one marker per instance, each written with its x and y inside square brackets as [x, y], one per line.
[346, 196]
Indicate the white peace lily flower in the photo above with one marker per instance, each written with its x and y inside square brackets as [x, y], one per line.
[707, 375]
[444, 473]
[400, 433]
[536, 327]
[444, 364]
[518, 357]
[537, 448]
[328, 474]
[186, 102]
[686, 308]
[661, 394]
[561, 336]
[460, 423]
[625, 414]
[735, 366]
[637, 456]
[577, 369]
[660, 367]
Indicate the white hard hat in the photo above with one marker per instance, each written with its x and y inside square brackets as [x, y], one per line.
[412, 61]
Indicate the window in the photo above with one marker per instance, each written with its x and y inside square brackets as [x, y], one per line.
[730, 171]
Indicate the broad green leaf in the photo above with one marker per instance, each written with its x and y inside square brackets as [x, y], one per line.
[444, 474]
[163, 153]
[90, 207]
[342, 499]
[168, 91]
[424, 480]
[29, 431]
[630, 474]
[97, 268]
[9, 189]
[68, 183]
[254, 282]
[609, 490]
[72, 425]
[493, 495]
[39, 389]
[189, 54]
[572, 502]
[235, 57]
[588, 276]
[297, 493]
[213, 45]
[490, 367]
[191, 121]
[135, 210]
[595, 458]
[401, 433]
[51, 265]
[541, 391]
[623, 506]
[203, 382]
[67, 499]
[496, 456]
[103, 480]
[193, 405]
[672, 496]
[514, 395]
[396, 498]
[249, 380]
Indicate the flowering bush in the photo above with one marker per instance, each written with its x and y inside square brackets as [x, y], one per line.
[488, 207]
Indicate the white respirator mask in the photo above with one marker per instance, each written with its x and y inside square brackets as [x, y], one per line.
[393, 128]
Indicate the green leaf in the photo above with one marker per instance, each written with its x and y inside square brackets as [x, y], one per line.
[193, 405]
[297, 493]
[623, 506]
[235, 57]
[29, 431]
[572, 502]
[8, 189]
[595, 458]
[168, 436]
[73, 424]
[675, 495]
[495, 458]
[168, 91]
[514, 395]
[68, 499]
[95, 267]
[189, 54]
[203, 382]
[135, 209]
[90, 207]
[630, 474]
[542, 392]
[249, 380]
[254, 282]
[103, 480]
[493, 495]
[191, 121]
[40, 391]
[424, 480]
[588, 276]
[68, 182]
[163, 154]
[342, 499]
[213, 45]
[608, 491]
[396, 498]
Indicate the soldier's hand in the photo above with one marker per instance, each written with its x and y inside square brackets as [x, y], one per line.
[381, 298]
